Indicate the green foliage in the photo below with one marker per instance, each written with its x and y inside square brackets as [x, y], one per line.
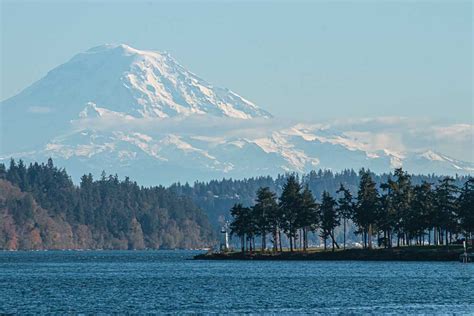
[265, 213]
[345, 203]
[421, 212]
[308, 214]
[21, 208]
[291, 204]
[329, 217]
[367, 206]
[410, 212]
[446, 203]
[108, 206]
[466, 207]
[243, 224]
[216, 197]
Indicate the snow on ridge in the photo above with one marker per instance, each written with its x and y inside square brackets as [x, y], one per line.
[137, 83]
[107, 91]
[161, 87]
[279, 144]
[430, 155]
[311, 134]
[80, 150]
[93, 111]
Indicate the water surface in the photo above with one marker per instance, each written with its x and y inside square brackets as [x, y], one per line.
[168, 282]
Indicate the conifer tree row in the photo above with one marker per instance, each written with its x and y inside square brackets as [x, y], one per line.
[396, 212]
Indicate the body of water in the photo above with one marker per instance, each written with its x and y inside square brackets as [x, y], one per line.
[169, 282]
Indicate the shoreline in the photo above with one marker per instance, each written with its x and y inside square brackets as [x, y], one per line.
[101, 250]
[393, 254]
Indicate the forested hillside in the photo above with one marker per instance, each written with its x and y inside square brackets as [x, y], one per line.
[218, 196]
[41, 208]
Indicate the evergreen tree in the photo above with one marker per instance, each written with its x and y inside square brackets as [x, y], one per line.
[329, 218]
[290, 206]
[466, 208]
[264, 212]
[3, 171]
[308, 217]
[421, 211]
[12, 173]
[367, 207]
[446, 208]
[402, 195]
[241, 224]
[345, 207]
[388, 217]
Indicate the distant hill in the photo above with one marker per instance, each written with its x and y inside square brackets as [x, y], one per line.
[40, 208]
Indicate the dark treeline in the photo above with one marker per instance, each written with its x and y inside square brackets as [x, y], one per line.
[119, 214]
[216, 197]
[122, 214]
[396, 211]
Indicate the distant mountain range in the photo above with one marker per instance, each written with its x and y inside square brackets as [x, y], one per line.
[141, 113]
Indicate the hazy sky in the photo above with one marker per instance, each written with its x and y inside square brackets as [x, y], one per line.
[318, 60]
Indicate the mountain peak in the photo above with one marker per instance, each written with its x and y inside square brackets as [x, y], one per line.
[124, 49]
[134, 82]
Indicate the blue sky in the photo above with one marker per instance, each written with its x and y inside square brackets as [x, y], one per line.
[301, 60]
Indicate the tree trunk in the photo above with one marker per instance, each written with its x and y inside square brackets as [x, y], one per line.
[304, 239]
[264, 241]
[332, 239]
[279, 240]
[344, 233]
[291, 242]
[242, 243]
[447, 241]
[301, 238]
[365, 238]
[334, 242]
[275, 240]
[370, 236]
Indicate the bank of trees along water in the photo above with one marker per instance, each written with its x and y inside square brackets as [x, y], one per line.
[395, 212]
[118, 213]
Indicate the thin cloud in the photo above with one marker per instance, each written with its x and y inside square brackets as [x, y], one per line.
[396, 134]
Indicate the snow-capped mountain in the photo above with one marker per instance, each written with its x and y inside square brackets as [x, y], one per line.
[135, 82]
[142, 114]
[119, 78]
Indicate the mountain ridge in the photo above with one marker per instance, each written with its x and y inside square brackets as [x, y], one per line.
[120, 109]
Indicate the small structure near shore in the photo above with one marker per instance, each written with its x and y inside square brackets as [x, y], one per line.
[224, 246]
[466, 257]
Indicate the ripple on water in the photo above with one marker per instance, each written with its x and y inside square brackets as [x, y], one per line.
[166, 282]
